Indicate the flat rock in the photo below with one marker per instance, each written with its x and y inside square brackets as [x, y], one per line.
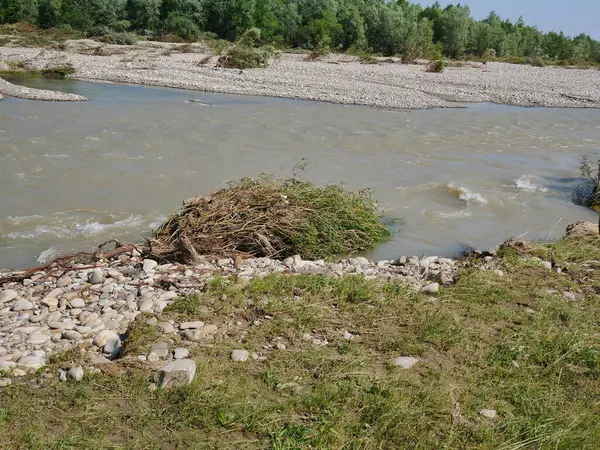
[77, 303]
[179, 372]
[31, 363]
[431, 288]
[239, 355]
[488, 413]
[165, 327]
[181, 353]
[7, 295]
[22, 305]
[161, 349]
[405, 362]
[149, 265]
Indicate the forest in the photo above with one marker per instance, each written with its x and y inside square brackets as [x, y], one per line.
[380, 27]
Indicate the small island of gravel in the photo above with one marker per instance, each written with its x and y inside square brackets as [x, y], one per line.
[335, 78]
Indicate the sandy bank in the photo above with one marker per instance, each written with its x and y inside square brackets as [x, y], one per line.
[12, 90]
[338, 78]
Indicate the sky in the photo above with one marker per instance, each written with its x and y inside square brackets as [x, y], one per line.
[573, 17]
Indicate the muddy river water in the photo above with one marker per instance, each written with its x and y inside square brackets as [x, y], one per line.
[75, 174]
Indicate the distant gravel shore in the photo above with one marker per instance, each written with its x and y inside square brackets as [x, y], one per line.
[336, 78]
[13, 90]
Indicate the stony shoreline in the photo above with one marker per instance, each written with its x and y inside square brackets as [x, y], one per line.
[54, 309]
[336, 78]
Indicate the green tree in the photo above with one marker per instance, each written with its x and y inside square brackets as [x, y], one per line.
[454, 29]
[144, 15]
[12, 11]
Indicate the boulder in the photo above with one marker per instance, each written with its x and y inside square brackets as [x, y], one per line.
[179, 372]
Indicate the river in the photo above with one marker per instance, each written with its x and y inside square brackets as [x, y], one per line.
[75, 174]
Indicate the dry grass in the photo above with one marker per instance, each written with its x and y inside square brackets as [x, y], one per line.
[264, 216]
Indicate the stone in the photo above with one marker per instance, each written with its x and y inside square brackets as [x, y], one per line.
[239, 355]
[181, 353]
[165, 327]
[169, 295]
[288, 262]
[31, 363]
[18, 373]
[161, 349]
[146, 305]
[190, 325]
[56, 325]
[7, 296]
[72, 335]
[152, 357]
[63, 282]
[5, 382]
[75, 374]
[77, 303]
[280, 346]
[149, 265]
[405, 362]
[38, 338]
[498, 272]
[96, 276]
[547, 265]
[568, 295]
[431, 288]
[62, 375]
[348, 336]
[179, 372]
[22, 305]
[488, 413]
[105, 336]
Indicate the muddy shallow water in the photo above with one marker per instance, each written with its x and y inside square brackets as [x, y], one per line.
[75, 174]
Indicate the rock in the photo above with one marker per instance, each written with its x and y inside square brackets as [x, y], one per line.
[149, 265]
[105, 336]
[546, 265]
[165, 327]
[191, 325]
[569, 295]
[77, 303]
[22, 305]
[72, 335]
[146, 305]
[96, 276]
[431, 288]
[405, 362]
[38, 338]
[581, 228]
[348, 336]
[7, 296]
[31, 363]
[152, 357]
[288, 262]
[488, 413]
[63, 282]
[239, 262]
[62, 375]
[239, 355]
[498, 272]
[161, 349]
[281, 346]
[18, 373]
[75, 374]
[5, 382]
[169, 295]
[179, 372]
[181, 353]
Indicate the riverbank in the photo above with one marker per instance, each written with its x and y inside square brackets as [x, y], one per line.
[13, 90]
[335, 78]
[299, 354]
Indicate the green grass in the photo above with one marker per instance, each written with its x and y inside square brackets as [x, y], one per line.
[488, 342]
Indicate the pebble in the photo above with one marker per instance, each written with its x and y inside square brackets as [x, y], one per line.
[165, 327]
[488, 413]
[7, 296]
[96, 276]
[22, 305]
[181, 353]
[239, 355]
[431, 288]
[149, 265]
[280, 346]
[77, 303]
[179, 372]
[75, 374]
[405, 362]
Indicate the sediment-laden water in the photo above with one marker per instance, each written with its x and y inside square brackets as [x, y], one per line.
[75, 174]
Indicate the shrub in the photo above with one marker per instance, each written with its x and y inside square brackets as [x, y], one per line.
[123, 38]
[265, 216]
[323, 48]
[538, 62]
[183, 27]
[58, 71]
[436, 66]
[245, 54]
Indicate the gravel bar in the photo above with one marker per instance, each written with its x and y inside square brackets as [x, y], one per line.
[12, 90]
[335, 78]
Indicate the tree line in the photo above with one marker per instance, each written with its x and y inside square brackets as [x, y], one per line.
[395, 27]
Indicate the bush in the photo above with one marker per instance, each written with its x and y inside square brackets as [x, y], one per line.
[183, 27]
[323, 48]
[123, 38]
[538, 62]
[58, 72]
[245, 54]
[264, 216]
[436, 66]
